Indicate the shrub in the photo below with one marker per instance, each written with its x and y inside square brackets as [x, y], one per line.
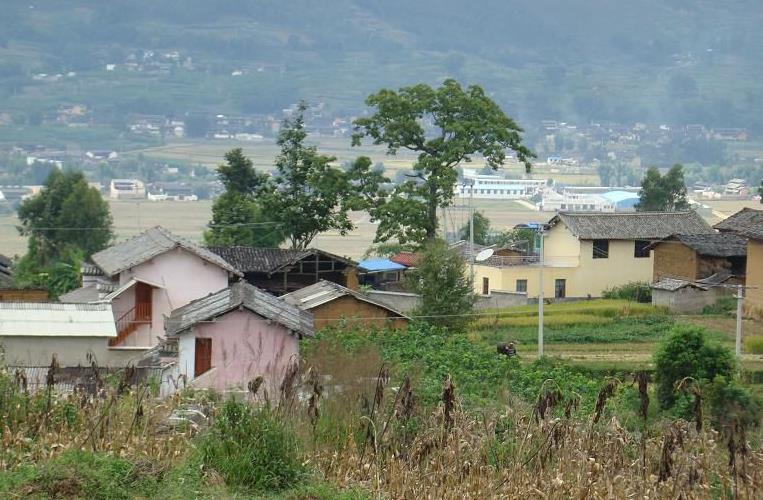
[732, 404]
[686, 352]
[252, 448]
[724, 305]
[754, 345]
[637, 291]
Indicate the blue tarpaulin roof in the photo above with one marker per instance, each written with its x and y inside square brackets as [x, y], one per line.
[622, 198]
[379, 265]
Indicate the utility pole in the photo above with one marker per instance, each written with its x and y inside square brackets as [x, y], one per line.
[740, 299]
[471, 229]
[540, 298]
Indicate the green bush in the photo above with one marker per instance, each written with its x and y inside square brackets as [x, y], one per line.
[754, 345]
[637, 291]
[732, 404]
[724, 305]
[252, 448]
[686, 352]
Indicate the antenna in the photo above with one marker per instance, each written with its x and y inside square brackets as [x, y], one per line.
[484, 255]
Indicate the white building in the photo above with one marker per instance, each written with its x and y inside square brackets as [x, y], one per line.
[494, 187]
[574, 202]
[123, 189]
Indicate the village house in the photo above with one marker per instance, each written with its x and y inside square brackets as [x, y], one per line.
[332, 305]
[748, 223]
[31, 333]
[587, 253]
[694, 257]
[146, 277]
[280, 271]
[229, 338]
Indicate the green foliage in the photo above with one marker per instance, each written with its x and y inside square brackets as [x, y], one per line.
[309, 196]
[663, 193]
[481, 230]
[447, 296]
[723, 305]
[67, 215]
[686, 352]
[754, 345]
[730, 404]
[637, 291]
[387, 249]
[466, 122]
[252, 448]
[79, 474]
[238, 217]
[523, 239]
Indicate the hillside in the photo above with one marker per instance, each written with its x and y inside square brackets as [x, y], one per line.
[654, 61]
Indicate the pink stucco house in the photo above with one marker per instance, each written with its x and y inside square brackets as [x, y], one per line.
[145, 278]
[231, 337]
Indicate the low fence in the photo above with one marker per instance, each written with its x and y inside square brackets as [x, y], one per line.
[80, 378]
[406, 302]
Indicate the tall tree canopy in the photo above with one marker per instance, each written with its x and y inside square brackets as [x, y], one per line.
[237, 215]
[443, 126]
[482, 231]
[65, 222]
[663, 193]
[307, 195]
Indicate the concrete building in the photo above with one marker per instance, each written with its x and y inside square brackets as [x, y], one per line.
[146, 277]
[31, 333]
[587, 253]
[494, 187]
[127, 189]
[227, 339]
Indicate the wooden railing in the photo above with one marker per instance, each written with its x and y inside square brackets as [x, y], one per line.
[129, 322]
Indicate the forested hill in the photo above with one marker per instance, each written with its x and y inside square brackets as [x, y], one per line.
[674, 61]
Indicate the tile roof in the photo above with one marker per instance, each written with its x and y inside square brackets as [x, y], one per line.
[672, 284]
[52, 319]
[407, 259]
[147, 245]
[269, 260]
[462, 247]
[81, 295]
[632, 225]
[747, 222]
[325, 291]
[715, 244]
[5, 271]
[240, 294]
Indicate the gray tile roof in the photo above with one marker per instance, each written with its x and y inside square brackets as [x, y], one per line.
[672, 284]
[324, 291]
[715, 244]
[269, 260]
[147, 245]
[240, 294]
[632, 225]
[5, 271]
[81, 295]
[747, 222]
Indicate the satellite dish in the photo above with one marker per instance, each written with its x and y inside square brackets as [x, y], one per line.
[484, 255]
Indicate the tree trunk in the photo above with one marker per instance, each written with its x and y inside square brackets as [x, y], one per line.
[432, 211]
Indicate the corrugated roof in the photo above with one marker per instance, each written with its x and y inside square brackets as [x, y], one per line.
[147, 245]
[632, 226]
[270, 260]
[747, 222]
[379, 265]
[240, 294]
[325, 291]
[48, 319]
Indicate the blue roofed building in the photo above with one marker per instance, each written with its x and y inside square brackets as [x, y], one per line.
[622, 200]
[380, 273]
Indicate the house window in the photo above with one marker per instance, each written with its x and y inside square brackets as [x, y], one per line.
[640, 249]
[560, 289]
[202, 356]
[485, 286]
[600, 249]
[522, 286]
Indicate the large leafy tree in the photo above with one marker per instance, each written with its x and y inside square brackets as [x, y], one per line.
[444, 126]
[308, 195]
[237, 215]
[447, 295]
[65, 222]
[663, 193]
[482, 231]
